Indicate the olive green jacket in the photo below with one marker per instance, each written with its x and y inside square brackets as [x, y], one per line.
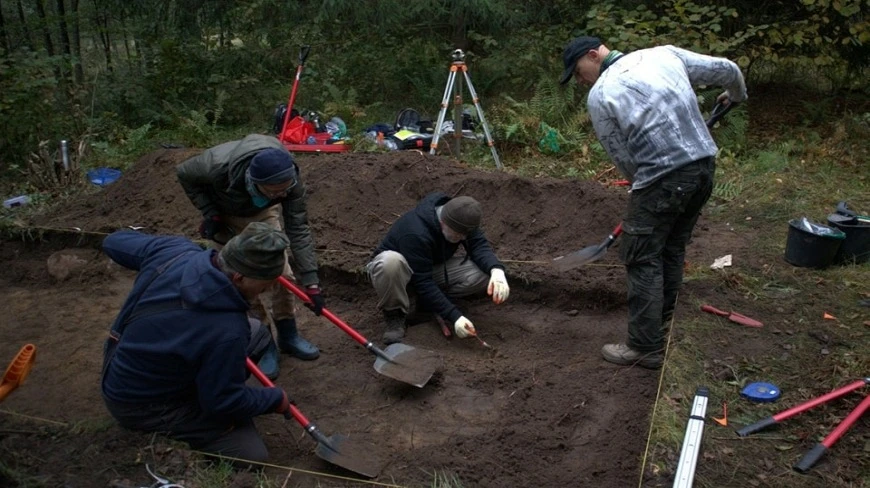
[215, 183]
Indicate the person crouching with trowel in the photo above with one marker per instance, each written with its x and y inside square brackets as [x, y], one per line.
[417, 255]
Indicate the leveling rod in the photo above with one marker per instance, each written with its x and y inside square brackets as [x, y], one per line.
[692, 440]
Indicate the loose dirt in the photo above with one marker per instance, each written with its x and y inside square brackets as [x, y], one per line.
[539, 409]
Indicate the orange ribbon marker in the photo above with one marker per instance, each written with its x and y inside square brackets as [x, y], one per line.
[724, 420]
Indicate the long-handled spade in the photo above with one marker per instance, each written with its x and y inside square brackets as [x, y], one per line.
[340, 450]
[398, 361]
[587, 254]
[594, 253]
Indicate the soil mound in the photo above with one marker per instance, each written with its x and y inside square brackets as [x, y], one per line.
[354, 198]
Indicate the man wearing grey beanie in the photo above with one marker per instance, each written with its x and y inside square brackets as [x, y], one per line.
[418, 253]
[256, 180]
[175, 359]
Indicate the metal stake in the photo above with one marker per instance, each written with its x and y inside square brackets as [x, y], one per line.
[459, 65]
[692, 441]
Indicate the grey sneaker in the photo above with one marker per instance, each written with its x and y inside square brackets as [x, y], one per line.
[625, 356]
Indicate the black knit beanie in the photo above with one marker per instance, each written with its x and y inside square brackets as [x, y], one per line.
[259, 252]
[462, 214]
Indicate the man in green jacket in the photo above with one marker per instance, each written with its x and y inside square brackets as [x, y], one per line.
[256, 180]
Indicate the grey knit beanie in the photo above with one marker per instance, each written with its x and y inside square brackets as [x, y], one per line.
[462, 214]
[259, 252]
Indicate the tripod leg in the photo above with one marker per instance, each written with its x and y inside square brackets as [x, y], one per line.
[482, 120]
[816, 452]
[443, 112]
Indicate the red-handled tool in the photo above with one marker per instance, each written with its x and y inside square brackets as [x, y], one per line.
[398, 361]
[18, 370]
[816, 452]
[352, 454]
[587, 254]
[732, 316]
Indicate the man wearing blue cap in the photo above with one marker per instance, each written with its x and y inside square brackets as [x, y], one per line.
[256, 180]
[646, 115]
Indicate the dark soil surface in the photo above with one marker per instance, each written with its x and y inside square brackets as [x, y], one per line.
[539, 409]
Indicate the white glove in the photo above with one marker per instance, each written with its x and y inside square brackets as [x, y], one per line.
[464, 328]
[498, 286]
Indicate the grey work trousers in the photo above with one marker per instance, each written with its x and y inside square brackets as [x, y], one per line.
[186, 421]
[390, 274]
[659, 224]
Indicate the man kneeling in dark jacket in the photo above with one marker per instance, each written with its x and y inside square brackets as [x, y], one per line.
[419, 250]
[175, 360]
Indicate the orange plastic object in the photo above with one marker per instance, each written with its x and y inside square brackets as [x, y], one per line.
[18, 370]
[724, 420]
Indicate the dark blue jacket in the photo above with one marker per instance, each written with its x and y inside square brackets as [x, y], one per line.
[418, 238]
[192, 354]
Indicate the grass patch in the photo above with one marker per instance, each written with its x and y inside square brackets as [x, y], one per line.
[803, 174]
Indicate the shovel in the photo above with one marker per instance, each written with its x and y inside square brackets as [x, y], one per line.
[587, 254]
[340, 450]
[594, 253]
[398, 361]
[18, 370]
[732, 316]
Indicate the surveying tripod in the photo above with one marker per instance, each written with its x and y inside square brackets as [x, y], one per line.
[459, 65]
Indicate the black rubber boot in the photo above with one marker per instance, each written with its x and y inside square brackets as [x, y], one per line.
[292, 343]
[395, 327]
[268, 363]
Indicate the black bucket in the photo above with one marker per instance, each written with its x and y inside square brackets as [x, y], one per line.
[808, 250]
[856, 246]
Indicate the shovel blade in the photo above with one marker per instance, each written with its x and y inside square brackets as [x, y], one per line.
[352, 454]
[579, 258]
[408, 364]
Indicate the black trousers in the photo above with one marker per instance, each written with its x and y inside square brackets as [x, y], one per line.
[658, 226]
[186, 421]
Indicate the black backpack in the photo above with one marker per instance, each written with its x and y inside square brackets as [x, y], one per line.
[410, 119]
[278, 117]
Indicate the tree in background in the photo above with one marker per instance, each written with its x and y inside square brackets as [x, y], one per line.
[107, 67]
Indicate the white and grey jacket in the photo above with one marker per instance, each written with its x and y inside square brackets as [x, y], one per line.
[645, 111]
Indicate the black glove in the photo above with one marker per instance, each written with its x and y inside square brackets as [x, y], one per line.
[317, 301]
[210, 226]
[284, 406]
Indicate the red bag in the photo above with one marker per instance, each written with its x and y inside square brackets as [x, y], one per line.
[297, 130]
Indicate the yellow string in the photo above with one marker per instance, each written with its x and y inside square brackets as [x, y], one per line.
[77, 231]
[656, 402]
[289, 468]
[40, 419]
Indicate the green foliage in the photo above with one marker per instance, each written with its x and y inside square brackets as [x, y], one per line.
[200, 70]
[122, 152]
[198, 128]
[446, 479]
[29, 109]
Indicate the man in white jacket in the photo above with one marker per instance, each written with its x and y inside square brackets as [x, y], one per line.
[646, 115]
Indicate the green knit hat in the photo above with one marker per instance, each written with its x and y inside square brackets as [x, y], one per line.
[259, 252]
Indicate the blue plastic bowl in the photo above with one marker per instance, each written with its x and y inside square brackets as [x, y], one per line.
[103, 176]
